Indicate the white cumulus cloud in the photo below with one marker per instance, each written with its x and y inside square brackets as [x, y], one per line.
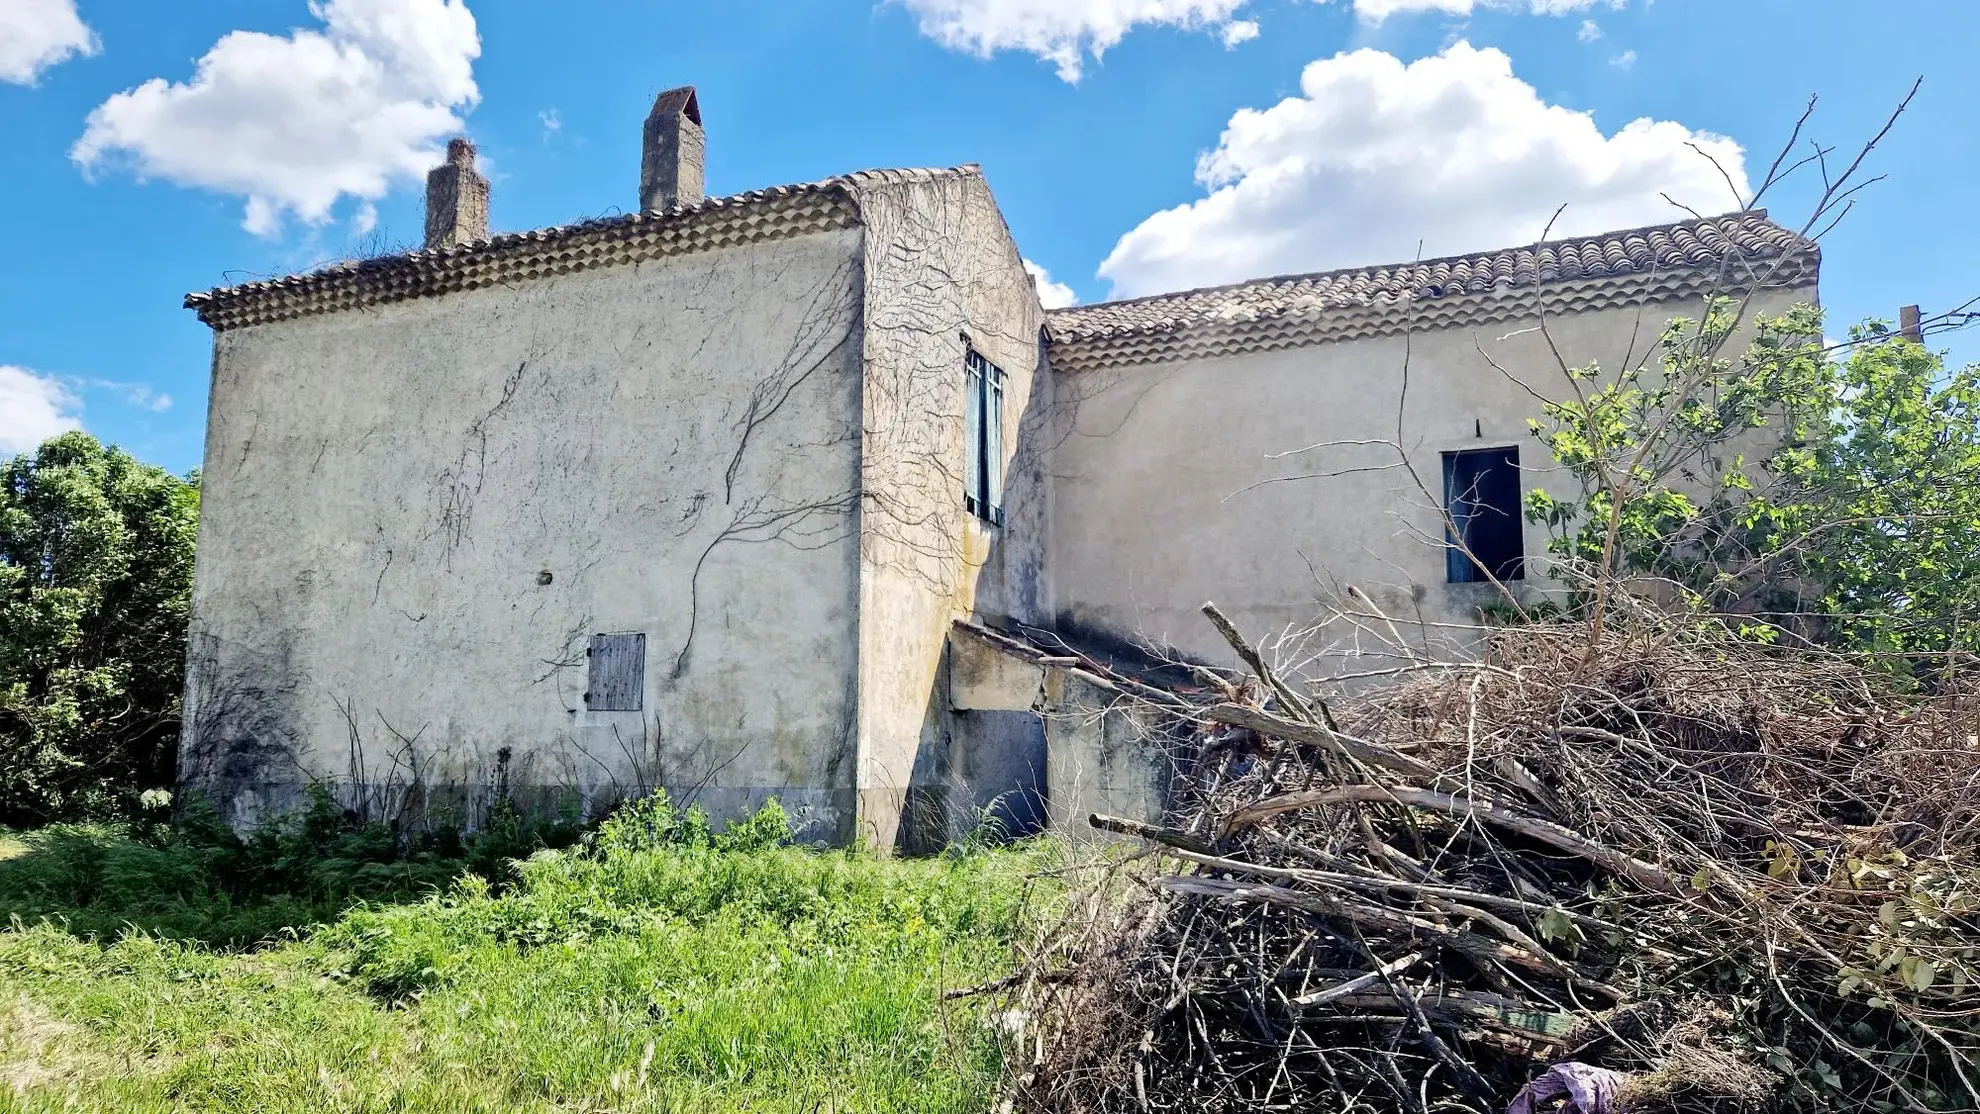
[37, 34]
[1064, 32]
[1375, 11]
[1238, 32]
[294, 123]
[1051, 295]
[1067, 33]
[33, 408]
[1452, 152]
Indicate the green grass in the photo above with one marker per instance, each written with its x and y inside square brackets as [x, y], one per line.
[651, 973]
[200, 880]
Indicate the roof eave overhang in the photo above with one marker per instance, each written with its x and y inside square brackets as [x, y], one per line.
[506, 260]
[1397, 317]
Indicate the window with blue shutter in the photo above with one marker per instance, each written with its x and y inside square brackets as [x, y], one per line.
[983, 431]
[1481, 492]
[973, 434]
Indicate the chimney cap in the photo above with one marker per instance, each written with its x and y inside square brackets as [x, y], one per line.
[682, 101]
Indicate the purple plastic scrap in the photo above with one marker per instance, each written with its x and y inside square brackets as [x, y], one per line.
[1589, 1089]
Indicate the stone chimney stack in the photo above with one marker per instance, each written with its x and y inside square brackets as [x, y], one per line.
[456, 199]
[675, 148]
[1908, 325]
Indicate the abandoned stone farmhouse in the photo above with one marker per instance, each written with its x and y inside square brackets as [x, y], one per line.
[801, 493]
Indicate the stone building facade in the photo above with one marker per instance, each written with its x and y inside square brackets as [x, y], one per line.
[794, 493]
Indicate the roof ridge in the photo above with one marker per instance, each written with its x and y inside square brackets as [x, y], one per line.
[1434, 261]
[908, 173]
[466, 253]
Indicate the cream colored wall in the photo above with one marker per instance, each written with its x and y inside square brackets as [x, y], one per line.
[674, 443]
[1105, 754]
[942, 266]
[1269, 482]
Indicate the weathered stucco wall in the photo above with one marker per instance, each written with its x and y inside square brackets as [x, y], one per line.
[1270, 481]
[941, 267]
[416, 515]
[1105, 754]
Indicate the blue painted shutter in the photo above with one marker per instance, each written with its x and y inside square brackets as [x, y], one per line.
[973, 435]
[1458, 568]
[993, 444]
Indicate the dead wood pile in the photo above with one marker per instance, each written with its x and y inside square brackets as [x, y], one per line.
[1744, 877]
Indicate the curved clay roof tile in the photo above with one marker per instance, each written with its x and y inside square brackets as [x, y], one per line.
[1699, 245]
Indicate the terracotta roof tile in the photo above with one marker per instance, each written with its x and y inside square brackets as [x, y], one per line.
[712, 223]
[1689, 246]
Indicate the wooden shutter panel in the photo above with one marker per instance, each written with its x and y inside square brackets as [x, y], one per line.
[1497, 527]
[618, 673]
[1458, 568]
[973, 435]
[993, 444]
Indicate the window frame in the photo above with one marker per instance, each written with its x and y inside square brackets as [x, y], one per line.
[1477, 560]
[983, 437]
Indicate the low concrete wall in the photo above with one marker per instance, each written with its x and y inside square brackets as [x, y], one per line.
[1104, 754]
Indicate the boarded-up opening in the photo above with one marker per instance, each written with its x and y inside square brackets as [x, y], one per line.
[618, 673]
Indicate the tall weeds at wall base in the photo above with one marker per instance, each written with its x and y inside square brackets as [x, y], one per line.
[198, 879]
[1747, 878]
[667, 965]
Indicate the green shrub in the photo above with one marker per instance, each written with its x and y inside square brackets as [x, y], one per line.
[653, 822]
[651, 867]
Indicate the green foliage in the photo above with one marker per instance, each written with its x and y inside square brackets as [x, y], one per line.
[198, 880]
[1664, 486]
[96, 559]
[1893, 499]
[815, 901]
[1836, 499]
[663, 974]
[652, 823]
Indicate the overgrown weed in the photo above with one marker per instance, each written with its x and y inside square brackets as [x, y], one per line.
[659, 965]
[199, 880]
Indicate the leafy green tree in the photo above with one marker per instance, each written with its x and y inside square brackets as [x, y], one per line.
[1889, 501]
[96, 559]
[1835, 499]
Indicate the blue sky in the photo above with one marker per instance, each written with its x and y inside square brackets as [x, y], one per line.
[151, 149]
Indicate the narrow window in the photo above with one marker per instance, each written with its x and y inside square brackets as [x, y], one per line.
[983, 432]
[1481, 489]
[617, 678]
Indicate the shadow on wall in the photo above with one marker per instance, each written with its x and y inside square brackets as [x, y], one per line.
[983, 781]
[242, 756]
[1032, 740]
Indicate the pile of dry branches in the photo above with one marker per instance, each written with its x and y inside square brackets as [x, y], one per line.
[1745, 877]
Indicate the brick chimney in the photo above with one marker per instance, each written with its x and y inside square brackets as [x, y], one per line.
[1908, 325]
[675, 148]
[456, 199]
